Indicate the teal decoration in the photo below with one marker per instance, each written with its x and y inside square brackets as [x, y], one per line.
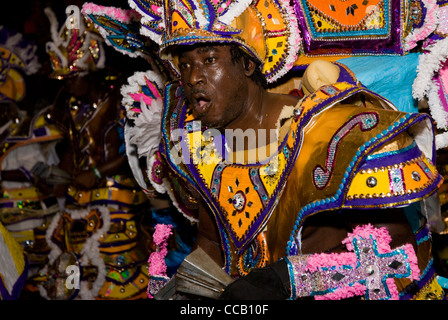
[389, 76]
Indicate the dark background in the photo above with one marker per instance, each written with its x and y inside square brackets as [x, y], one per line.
[28, 18]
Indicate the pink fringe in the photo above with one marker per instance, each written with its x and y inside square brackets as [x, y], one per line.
[157, 264]
[161, 234]
[392, 289]
[156, 261]
[382, 236]
[413, 261]
[138, 96]
[121, 15]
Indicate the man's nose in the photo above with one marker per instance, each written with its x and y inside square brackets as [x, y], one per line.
[196, 76]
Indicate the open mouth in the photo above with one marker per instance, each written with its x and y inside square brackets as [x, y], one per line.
[201, 104]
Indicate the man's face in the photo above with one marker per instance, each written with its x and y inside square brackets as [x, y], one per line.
[214, 85]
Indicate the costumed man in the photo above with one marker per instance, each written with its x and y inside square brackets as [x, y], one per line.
[317, 197]
[28, 169]
[97, 250]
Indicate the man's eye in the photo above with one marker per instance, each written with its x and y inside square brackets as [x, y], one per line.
[183, 66]
[210, 60]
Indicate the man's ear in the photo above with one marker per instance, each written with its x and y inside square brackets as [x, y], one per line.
[249, 67]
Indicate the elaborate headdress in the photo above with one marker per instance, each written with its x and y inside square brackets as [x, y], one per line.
[77, 47]
[17, 56]
[266, 29]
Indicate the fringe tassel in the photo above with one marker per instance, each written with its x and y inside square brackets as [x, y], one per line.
[429, 64]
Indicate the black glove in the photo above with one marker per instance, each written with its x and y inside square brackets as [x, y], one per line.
[270, 283]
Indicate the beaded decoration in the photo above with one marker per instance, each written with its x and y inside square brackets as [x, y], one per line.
[74, 50]
[353, 27]
[119, 28]
[242, 197]
[404, 174]
[424, 21]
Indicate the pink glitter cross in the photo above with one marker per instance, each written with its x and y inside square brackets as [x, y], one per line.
[368, 269]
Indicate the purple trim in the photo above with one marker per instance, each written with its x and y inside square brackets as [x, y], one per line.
[392, 158]
[18, 286]
[424, 11]
[211, 14]
[422, 234]
[40, 132]
[345, 76]
[264, 215]
[396, 200]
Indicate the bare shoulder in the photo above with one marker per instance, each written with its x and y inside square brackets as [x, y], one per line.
[275, 103]
[279, 100]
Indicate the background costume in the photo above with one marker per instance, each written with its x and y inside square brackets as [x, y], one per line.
[97, 233]
[28, 162]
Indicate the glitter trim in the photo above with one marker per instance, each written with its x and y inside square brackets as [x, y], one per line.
[368, 268]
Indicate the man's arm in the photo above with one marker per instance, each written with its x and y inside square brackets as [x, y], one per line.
[208, 236]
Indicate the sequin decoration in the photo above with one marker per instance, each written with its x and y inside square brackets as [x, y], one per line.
[241, 196]
[396, 180]
[366, 121]
[121, 30]
[333, 27]
[74, 51]
[255, 256]
[410, 175]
